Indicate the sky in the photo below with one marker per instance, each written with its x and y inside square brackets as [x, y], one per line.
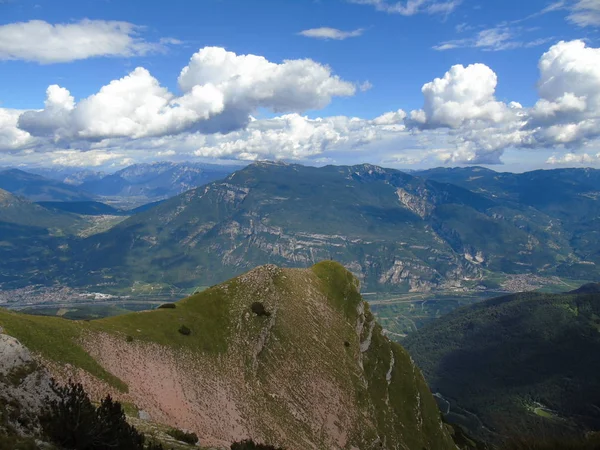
[101, 84]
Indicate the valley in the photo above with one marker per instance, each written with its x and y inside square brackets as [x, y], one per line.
[420, 246]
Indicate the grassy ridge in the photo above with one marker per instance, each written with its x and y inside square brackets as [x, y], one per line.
[56, 339]
[206, 314]
[307, 350]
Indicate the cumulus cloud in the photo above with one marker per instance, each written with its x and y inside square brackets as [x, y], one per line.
[11, 137]
[568, 111]
[461, 120]
[220, 91]
[464, 94]
[297, 137]
[412, 7]
[133, 106]
[331, 33]
[73, 41]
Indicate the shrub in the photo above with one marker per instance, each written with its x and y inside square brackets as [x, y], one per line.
[167, 306]
[180, 435]
[184, 330]
[346, 344]
[71, 421]
[259, 309]
[251, 445]
[129, 338]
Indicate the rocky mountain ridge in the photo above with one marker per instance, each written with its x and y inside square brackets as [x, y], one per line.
[312, 371]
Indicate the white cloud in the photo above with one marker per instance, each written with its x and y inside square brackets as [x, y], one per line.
[11, 137]
[493, 39]
[46, 43]
[331, 33]
[220, 91]
[391, 118]
[412, 7]
[570, 159]
[482, 128]
[133, 106]
[585, 13]
[461, 122]
[365, 86]
[297, 137]
[464, 94]
[94, 158]
[568, 111]
[250, 81]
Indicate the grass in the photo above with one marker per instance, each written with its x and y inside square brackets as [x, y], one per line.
[59, 339]
[206, 314]
[56, 339]
[340, 287]
[542, 412]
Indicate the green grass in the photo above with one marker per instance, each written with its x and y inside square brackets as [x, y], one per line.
[59, 339]
[542, 412]
[56, 339]
[206, 314]
[340, 287]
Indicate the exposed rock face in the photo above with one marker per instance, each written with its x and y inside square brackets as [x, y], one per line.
[24, 385]
[417, 202]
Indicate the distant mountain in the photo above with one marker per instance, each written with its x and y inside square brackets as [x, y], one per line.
[567, 194]
[290, 357]
[89, 208]
[93, 208]
[570, 196]
[393, 230]
[522, 362]
[140, 182]
[31, 238]
[38, 188]
[156, 180]
[20, 211]
[73, 176]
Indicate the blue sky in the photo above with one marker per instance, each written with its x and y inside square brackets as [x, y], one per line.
[393, 49]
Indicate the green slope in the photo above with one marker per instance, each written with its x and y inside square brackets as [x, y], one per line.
[512, 362]
[320, 335]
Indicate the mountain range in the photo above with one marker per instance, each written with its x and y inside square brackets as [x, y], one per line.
[142, 182]
[395, 231]
[38, 188]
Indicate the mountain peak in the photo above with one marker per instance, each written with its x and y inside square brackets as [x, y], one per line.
[292, 357]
